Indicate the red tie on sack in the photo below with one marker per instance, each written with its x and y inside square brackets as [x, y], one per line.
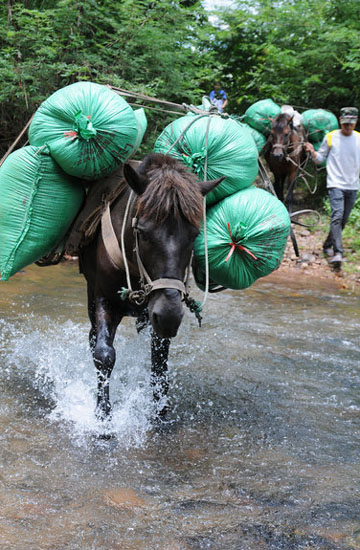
[239, 246]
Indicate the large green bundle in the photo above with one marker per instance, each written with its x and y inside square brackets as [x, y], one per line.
[259, 115]
[246, 239]
[257, 136]
[141, 123]
[317, 123]
[231, 151]
[89, 128]
[38, 203]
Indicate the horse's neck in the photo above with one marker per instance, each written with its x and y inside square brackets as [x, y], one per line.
[300, 132]
[122, 214]
[297, 140]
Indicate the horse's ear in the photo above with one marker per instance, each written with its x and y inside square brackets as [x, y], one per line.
[135, 180]
[207, 186]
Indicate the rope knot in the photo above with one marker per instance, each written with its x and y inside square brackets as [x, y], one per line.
[233, 245]
[137, 297]
[194, 306]
[195, 161]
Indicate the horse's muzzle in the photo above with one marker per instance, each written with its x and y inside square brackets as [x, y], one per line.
[278, 154]
[166, 312]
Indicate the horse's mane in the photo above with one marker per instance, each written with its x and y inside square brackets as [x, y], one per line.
[282, 120]
[172, 190]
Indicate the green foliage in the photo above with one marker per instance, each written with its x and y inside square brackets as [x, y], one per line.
[303, 52]
[144, 46]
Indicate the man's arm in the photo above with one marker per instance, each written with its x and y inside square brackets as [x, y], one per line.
[319, 156]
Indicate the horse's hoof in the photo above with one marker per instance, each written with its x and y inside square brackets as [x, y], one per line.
[103, 412]
[107, 436]
[161, 416]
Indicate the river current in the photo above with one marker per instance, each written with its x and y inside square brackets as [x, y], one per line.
[261, 448]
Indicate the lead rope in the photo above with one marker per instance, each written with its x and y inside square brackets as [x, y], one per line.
[126, 265]
[207, 282]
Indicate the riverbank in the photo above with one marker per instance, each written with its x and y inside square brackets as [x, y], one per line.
[312, 263]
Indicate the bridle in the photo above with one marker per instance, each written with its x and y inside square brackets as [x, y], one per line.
[147, 284]
[119, 259]
[285, 147]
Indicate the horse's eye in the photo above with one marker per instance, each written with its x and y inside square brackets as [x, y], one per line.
[142, 232]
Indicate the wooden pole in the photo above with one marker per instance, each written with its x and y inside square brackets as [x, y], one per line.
[121, 91]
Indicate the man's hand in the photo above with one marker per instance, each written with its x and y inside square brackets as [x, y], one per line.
[309, 148]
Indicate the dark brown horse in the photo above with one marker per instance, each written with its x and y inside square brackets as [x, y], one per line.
[284, 152]
[156, 217]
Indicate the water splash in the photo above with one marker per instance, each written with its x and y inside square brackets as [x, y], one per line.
[54, 358]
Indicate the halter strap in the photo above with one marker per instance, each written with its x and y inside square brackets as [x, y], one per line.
[109, 239]
[119, 260]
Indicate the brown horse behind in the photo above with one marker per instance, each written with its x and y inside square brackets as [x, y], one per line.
[284, 152]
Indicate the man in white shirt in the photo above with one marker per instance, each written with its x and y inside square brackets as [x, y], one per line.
[341, 150]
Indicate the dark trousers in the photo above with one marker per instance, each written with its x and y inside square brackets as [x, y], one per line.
[341, 202]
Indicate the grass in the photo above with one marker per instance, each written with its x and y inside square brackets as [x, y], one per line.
[350, 234]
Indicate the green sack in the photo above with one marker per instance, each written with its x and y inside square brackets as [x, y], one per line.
[231, 151]
[257, 136]
[246, 238]
[89, 128]
[259, 115]
[38, 203]
[141, 123]
[317, 123]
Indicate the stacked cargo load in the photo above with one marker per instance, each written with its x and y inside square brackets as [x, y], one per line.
[89, 129]
[259, 115]
[79, 134]
[317, 123]
[246, 238]
[38, 203]
[219, 145]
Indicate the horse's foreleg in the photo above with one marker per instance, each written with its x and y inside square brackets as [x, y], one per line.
[159, 371]
[289, 201]
[92, 317]
[279, 187]
[291, 186]
[104, 355]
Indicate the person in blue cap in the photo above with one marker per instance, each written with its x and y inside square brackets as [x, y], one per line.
[218, 97]
[341, 150]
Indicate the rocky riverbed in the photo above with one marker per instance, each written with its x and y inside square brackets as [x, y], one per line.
[311, 261]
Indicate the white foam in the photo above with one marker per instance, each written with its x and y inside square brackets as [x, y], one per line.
[56, 360]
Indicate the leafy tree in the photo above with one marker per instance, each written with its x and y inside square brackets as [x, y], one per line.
[150, 47]
[304, 52]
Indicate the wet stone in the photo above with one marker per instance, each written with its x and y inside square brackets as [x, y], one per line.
[124, 498]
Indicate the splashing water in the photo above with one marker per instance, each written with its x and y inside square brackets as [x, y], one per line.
[55, 359]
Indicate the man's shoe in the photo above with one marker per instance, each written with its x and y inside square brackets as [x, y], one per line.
[337, 259]
[328, 252]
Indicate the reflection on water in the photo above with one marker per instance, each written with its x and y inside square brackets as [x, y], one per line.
[261, 449]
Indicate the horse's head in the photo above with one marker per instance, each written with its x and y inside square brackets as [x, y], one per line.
[280, 135]
[169, 213]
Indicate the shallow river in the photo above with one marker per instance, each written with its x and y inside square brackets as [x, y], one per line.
[262, 445]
